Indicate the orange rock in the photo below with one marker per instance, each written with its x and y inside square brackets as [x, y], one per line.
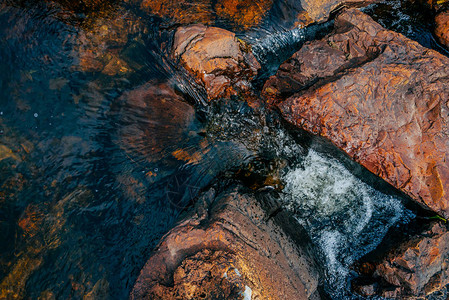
[319, 10]
[31, 220]
[383, 100]
[442, 28]
[227, 247]
[243, 12]
[183, 12]
[220, 61]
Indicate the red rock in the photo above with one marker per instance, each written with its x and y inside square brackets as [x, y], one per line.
[384, 101]
[442, 28]
[418, 267]
[219, 61]
[226, 246]
[244, 13]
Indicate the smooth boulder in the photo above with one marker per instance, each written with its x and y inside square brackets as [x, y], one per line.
[228, 247]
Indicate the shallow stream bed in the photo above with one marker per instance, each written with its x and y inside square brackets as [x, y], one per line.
[90, 179]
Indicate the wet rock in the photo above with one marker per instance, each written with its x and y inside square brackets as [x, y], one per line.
[442, 28]
[164, 120]
[319, 10]
[228, 248]
[418, 267]
[244, 13]
[99, 46]
[384, 101]
[182, 12]
[219, 61]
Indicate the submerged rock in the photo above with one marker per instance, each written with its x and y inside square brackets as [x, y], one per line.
[245, 13]
[442, 28]
[383, 100]
[228, 247]
[220, 61]
[181, 11]
[416, 268]
[164, 120]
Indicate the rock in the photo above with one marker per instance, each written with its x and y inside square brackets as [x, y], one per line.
[228, 248]
[181, 11]
[417, 267]
[244, 13]
[384, 101]
[442, 28]
[366, 290]
[238, 13]
[319, 10]
[6, 153]
[164, 120]
[219, 61]
[99, 46]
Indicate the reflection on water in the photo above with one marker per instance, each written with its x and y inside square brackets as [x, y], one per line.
[100, 149]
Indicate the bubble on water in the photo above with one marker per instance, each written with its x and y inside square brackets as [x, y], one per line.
[344, 216]
[36, 115]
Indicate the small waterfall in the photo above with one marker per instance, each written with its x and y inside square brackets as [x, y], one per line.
[274, 48]
[345, 217]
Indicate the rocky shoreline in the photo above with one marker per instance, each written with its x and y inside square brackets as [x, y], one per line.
[376, 95]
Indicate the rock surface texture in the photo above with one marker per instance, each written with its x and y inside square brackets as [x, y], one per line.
[378, 96]
[442, 28]
[219, 61]
[413, 269]
[227, 248]
[319, 10]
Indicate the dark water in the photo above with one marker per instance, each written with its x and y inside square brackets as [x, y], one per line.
[90, 177]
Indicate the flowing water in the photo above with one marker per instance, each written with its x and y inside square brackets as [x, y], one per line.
[91, 177]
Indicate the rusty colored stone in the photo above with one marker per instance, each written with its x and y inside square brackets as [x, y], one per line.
[164, 119]
[417, 267]
[244, 13]
[384, 101]
[99, 45]
[181, 11]
[319, 10]
[219, 61]
[442, 28]
[226, 247]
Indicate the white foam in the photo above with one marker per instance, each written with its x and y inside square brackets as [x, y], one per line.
[344, 216]
[247, 293]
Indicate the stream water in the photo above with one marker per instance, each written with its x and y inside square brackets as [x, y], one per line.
[90, 179]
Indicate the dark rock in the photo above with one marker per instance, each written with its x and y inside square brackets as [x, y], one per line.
[366, 290]
[164, 120]
[417, 267]
[442, 28]
[228, 247]
[384, 101]
[220, 61]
